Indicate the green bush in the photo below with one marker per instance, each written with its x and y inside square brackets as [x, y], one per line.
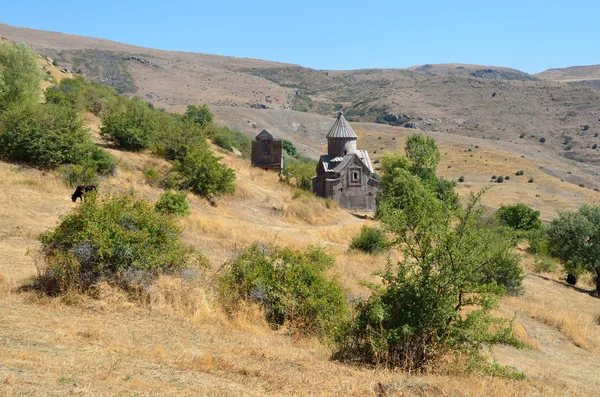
[299, 171]
[461, 179]
[544, 265]
[226, 139]
[519, 217]
[173, 203]
[47, 135]
[293, 287]
[538, 242]
[151, 175]
[119, 238]
[289, 148]
[176, 137]
[370, 240]
[520, 172]
[531, 180]
[202, 173]
[20, 75]
[542, 140]
[500, 179]
[199, 115]
[81, 94]
[130, 124]
[417, 314]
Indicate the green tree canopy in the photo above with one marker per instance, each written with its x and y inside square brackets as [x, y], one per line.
[519, 217]
[203, 174]
[574, 237]
[289, 147]
[422, 152]
[200, 115]
[20, 74]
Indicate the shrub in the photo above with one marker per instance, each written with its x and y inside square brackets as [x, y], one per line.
[530, 180]
[130, 124]
[81, 95]
[20, 75]
[544, 265]
[176, 137]
[173, 203]
[522, 135]
[299, 172]
[370, 240]
[293, 287]
[289, 148]
[500, 179]
[538, 242]
[494, 177]
[151, 175]
[595, 146]
[226, 139]
[50, 135]
[507, 177]
[200, 115]
[119, 239]
[519, 173]
[201, 172]
[416, 315]
[542, 140]
[519, 217]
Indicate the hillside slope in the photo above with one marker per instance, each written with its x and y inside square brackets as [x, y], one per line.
[461, 100]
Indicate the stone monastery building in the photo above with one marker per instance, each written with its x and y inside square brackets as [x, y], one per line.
[345, 174]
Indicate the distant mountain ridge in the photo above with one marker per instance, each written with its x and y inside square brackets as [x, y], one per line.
[484, 102]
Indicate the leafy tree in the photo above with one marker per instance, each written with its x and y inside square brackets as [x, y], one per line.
[47, 135]
[289, 147]
[81, 94]
[118, 238]
[172, 203]
[200, 115]
[130, 124]
[177, 137]
[300, 170]
[202, 173]
[422, 152]
[370, 240]
[226, 138]
[440, 296]
[294, 287]
[574, 237]
[519, 217]
[20, 74]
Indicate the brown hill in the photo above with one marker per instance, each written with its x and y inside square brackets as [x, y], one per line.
[491, 103]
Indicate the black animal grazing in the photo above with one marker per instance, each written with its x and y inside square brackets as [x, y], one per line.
[81, 190]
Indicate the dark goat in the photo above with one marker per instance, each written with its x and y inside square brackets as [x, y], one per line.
[81, 190]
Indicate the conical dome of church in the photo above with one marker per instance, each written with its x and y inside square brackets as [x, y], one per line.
[341, 129]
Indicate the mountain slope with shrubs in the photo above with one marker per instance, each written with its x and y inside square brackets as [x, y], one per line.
[252, 288]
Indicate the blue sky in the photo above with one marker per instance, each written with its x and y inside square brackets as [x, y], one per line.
[529, 35]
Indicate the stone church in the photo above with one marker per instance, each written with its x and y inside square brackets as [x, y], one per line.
[346, 174]
[267, 152]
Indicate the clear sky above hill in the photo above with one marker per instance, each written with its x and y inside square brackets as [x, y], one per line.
[530, 35]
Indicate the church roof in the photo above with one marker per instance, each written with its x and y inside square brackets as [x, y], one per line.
[266, 135]
[341, 129]
[338, 164]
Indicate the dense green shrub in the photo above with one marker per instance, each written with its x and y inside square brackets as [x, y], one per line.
[519, 217]
[500, 179]
[173, 203]
[120, 239]
[226, 139]
[538, 242]
[201, 172]
[47, 135]
[519, 172]
[199, 115]
[370, 240]
[81, 94]
[293, 287]
[461, 179]
[450, 264]
[299, 171]
[289, 148]
[130, 124]
[542, 140]
[20, 75]
[176, 137]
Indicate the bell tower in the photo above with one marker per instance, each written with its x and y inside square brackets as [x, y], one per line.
[341, 139]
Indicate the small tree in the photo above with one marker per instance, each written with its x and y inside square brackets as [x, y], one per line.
[289, 147]
[173, 203]
[203, 174]
[370, 240]
[450, 264]
[130, 124]
[519, 217]
[200, 115]
[20, 74]
[422, 152]
[575, 238]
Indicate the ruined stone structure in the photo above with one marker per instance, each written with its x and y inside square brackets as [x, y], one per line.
[267, 152]
[345, 174]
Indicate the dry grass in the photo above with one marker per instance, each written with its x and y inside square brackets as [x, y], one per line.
[580, 328]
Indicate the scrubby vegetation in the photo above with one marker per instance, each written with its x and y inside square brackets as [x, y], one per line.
[120, 239]
[20, 75]
[173, 203]
[293, 287]
[519, 217]
[299, 171]
[371, 240]
[226, 138]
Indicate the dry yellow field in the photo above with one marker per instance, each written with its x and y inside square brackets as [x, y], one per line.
[180, 342]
